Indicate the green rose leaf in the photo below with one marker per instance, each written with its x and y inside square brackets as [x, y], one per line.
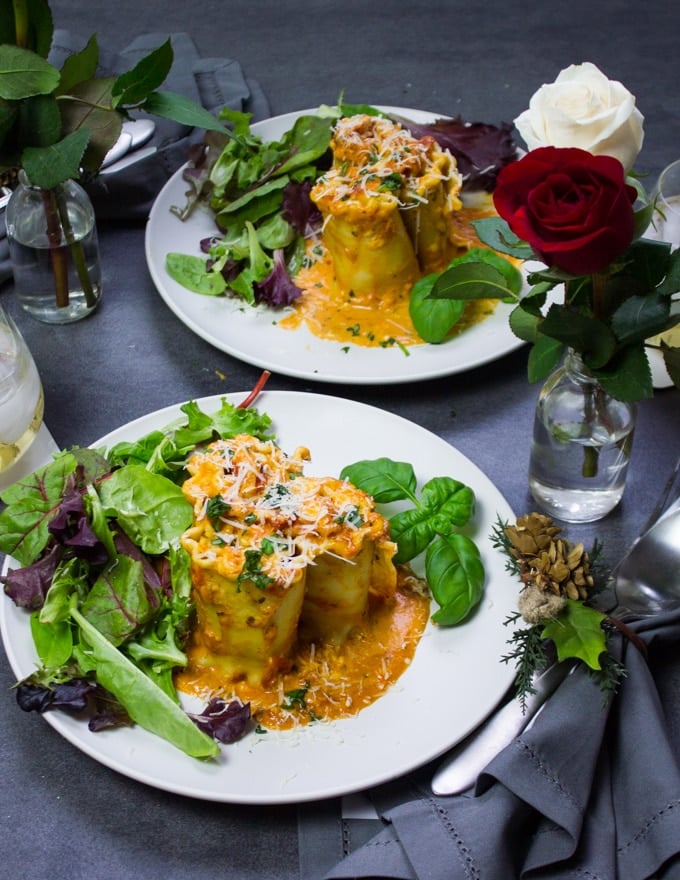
[592, 338]
[79, 67]
[39, 121]
[544, 356]
[146, 76]
[671, 359]
[497, 234]
[629, 376]
[640, 317]
[48, 166]
[24, 74]
[170, 105]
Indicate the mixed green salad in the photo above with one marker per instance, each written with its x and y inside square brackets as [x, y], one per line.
[107, 584]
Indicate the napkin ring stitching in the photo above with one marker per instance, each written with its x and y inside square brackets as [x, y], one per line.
[543, 770]
[646, 828]
[463, 850]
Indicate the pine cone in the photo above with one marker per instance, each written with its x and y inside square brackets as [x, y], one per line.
[531, 534]
[547, 564]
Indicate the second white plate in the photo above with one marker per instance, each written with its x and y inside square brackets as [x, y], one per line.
[252, 334]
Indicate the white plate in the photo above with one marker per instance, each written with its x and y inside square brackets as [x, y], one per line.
[251, 334]
[455, 680]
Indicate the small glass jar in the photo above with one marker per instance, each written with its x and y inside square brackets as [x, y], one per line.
[54, 249]
[581, 445]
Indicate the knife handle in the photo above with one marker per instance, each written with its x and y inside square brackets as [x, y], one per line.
[462, 766]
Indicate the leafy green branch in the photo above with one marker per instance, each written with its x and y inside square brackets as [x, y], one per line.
[55, 123]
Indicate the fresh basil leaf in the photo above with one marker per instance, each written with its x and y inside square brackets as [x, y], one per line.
[433, 319]
[385, 480]
[449, 500]
[455, 573]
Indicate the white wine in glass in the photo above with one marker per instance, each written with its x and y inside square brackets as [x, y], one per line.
[21, 394]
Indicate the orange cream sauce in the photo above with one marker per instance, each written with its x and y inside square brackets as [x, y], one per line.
[381, 319]
[327, 682]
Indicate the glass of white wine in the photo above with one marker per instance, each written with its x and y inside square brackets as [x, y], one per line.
[666, 220]
[21, 394]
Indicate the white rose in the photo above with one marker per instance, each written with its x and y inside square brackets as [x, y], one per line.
[583, 108]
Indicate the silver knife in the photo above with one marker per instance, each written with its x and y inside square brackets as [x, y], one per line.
[465, 762]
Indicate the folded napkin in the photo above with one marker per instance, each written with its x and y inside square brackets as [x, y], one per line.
[128, 194]
[591, 789]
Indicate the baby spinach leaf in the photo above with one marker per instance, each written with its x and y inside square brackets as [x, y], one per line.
[150, 509]
[191, 272]
[69, 577]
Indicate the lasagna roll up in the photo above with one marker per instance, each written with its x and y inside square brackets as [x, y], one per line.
[385, 202]
[275, 555]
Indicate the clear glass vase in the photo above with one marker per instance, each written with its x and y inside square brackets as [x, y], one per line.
[581, 445]
[54, 249]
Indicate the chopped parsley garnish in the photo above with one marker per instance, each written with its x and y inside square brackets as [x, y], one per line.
[277, 493]
[267, 546]
[352, 517]
[392, 183]
[217, 507]
[252, 570]
[297, 698]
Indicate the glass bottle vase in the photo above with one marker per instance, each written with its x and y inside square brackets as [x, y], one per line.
[581, 445]
[54, 249]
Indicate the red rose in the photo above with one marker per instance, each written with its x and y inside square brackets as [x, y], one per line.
[574, 209]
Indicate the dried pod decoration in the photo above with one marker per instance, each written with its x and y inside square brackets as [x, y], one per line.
[557, 578]
[551, 569]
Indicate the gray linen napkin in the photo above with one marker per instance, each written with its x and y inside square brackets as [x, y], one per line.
[591, 789]
[213, 82]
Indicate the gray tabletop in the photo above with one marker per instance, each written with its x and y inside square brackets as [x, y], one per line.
[64, 814]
